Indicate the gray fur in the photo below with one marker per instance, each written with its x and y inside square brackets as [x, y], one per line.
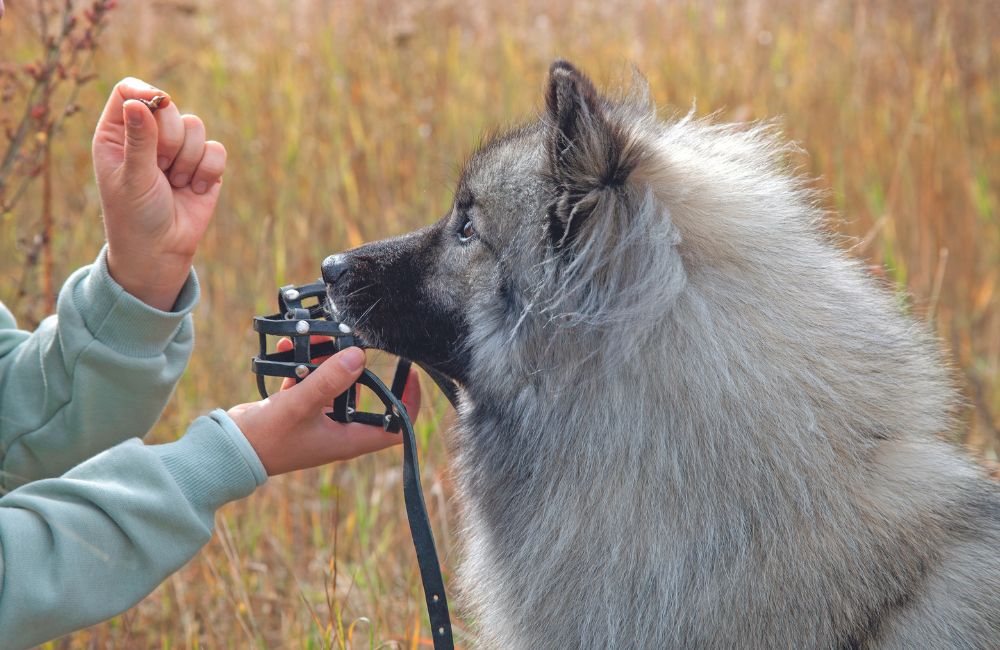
[688, 419]
[702, 424]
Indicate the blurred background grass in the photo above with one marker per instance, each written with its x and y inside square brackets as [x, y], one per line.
[346, 121]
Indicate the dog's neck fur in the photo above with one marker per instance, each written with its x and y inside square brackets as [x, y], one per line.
[730, 482]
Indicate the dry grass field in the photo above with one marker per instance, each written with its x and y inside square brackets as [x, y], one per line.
[346, 121]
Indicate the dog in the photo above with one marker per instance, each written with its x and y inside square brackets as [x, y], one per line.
[687, 418]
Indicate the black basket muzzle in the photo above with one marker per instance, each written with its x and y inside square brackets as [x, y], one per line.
[301, 315]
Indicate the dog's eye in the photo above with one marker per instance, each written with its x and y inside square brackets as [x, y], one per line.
[468, 231]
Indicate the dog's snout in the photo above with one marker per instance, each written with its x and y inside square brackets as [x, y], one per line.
[334, 267]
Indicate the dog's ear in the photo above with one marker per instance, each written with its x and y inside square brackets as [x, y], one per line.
[588, 154]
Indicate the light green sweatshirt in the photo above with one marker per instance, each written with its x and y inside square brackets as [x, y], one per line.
[91, 519]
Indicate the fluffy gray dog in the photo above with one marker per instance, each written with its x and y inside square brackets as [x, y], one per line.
[688, 419]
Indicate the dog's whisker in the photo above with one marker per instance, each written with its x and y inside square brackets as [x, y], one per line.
[358, 290]
[365, 314]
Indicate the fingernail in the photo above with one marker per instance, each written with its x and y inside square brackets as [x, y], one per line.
[199, 187]
[352, 359]
[162, 162]
[180, 180]
[134, 117]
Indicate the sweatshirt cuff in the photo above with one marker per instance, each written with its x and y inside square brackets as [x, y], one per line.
[121, 321]
[213, 463]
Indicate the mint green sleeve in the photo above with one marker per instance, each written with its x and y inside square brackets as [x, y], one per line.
[90, 544]
[98, 372]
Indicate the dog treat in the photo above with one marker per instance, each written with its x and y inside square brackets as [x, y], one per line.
[153, 104]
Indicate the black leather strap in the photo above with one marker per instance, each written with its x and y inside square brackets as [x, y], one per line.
[416, 515]
[447, 386]
[297, 322]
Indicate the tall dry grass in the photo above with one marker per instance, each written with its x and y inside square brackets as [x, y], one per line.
[345, 121]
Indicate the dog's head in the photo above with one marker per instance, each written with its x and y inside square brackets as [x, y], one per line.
[535, 246]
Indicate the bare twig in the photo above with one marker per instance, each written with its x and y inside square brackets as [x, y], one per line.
[68, 33]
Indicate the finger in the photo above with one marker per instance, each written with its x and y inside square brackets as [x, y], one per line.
[328, 381]
[191, 151]
[210, 169]
[359, 439]
[320, 440]
[285, 344]
[411, 395]
[171, 135]
[139, 166]
[126, 89]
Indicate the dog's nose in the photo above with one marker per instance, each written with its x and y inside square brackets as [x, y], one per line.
[333, 268]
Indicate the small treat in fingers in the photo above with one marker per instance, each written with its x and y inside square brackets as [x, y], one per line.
[153, 104]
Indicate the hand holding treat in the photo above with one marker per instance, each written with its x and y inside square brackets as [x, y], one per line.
[159, 180]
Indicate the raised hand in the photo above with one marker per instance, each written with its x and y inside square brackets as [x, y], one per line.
[159, 180]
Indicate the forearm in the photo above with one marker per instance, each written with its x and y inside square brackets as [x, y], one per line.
[90, 544]
[98, 373]
[156, 284]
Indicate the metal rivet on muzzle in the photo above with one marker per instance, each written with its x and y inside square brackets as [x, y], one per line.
[301, 371]
[345, 328]
[291, 294]
[302, 327]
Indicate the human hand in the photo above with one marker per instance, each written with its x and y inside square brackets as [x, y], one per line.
[159, 181]
[290, 430]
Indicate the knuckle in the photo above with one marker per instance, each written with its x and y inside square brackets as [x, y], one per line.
[133, 139]
[212, 164]
[132, 84]
[170, 140]
[211, 167]
[193, 122]
[218, 150]
[332, 379]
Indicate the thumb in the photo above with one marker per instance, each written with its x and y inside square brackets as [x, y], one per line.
[333, 377]
[140, 144]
